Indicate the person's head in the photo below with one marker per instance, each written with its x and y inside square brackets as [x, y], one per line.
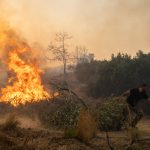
[143, 87]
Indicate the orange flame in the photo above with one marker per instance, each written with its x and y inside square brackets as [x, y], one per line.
[26, 86]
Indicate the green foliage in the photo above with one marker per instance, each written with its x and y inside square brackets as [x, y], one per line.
[113, 77]
[66, 116]
[85, 71]
[70, 133]
[110, 114]
[61, 112]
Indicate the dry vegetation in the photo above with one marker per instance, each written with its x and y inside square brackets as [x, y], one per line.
[11, 123]
[67, 125]
[86, 126]
[30, 139]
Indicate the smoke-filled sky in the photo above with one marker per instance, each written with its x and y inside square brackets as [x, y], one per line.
[103, 26]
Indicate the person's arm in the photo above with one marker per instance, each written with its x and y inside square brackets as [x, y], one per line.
[127, 93]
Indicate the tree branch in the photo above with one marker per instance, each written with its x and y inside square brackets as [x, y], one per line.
[108, 141]
[72, 92]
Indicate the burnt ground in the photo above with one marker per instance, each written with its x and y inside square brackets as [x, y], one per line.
[46, 139]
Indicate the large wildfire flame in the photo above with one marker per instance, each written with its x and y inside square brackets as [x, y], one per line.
[25, 84]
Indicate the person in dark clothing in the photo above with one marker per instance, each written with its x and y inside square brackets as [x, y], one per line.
[133, 97]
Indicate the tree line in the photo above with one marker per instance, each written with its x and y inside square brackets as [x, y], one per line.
[113, 77]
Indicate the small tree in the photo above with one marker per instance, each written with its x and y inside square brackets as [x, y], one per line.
[82, 55]
[59, 50]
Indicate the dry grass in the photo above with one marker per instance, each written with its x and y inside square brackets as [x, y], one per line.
[133, 134]
[11, 123]
[86, 126]
[31, 139]
[4, 139]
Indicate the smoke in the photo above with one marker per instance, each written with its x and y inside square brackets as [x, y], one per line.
[11, 34]
[127, 26]
[24, 121]
[104, 26]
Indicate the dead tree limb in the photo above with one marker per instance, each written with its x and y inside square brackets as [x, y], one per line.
[131, 143]
[72, 92]
[108, 141]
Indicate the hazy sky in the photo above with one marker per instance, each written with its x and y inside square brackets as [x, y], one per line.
[103, 26]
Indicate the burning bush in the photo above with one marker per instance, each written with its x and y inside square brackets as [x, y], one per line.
[110, 114]
[24, 83]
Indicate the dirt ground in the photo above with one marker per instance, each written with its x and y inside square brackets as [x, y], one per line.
[43, 139]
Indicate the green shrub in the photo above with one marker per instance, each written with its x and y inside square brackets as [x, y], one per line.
[110, 114]
[66, 116]
[70, 132]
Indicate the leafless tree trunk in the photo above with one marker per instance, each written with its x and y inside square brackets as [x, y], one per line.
[60, 51]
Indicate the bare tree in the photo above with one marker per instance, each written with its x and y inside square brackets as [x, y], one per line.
[59, 49]
[82, 54]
